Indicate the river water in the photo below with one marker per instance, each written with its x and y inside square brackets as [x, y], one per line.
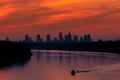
[56, 65]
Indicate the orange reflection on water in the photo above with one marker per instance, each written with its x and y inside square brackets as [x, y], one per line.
[56, 65]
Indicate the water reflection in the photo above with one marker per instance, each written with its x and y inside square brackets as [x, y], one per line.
[71, 59]
[57, 65]
[38, 56]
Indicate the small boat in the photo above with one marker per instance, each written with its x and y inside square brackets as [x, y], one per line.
[73, 72]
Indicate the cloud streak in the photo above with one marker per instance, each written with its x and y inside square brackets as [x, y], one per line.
[42, 14]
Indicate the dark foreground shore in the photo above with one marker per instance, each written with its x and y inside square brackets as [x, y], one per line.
[13, 53]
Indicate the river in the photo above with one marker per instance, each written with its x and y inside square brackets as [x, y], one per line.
[56, 65]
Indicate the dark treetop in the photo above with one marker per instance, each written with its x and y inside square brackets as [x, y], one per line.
[12, 52]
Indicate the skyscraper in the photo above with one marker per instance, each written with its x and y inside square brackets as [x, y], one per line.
[27, 38]
[55, 40]
[48, 38]
[68, 38]
[81, 39]
[65, 38]
[60, 37]
[87, 38]
[38, 39]
[75, 38]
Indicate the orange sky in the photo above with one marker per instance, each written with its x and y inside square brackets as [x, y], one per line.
[100, 18]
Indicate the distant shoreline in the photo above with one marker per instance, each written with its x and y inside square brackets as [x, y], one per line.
[109, 47]
[66, 51]
[44, 50]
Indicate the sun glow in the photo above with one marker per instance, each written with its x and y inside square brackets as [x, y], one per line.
[6, 10]
[29, 15]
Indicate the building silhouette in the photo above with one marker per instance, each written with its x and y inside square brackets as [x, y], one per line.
[87, 38]
[55, 40]
[75, 38]
[38, 39]
[81, 39]
[48, 38]
[68, 38]
[61, 39]
[7, 39]
[100, 40]
[27, 38]
[30, 39]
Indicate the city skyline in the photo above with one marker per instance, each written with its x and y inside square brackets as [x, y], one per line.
[69, 37]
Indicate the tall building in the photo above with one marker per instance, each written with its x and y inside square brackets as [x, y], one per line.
[75, 38]
[27, 38]
[68, 38]
[30, 39]
[87, 38]
[65, 38]
[81, 39]
[7, 39]
[60, 37]
[38, 39]
[48, 38]
[100, 40]
[55, 40]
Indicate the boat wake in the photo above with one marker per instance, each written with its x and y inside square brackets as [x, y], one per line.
[103, 68]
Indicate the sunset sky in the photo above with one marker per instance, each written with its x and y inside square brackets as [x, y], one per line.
[100, 18]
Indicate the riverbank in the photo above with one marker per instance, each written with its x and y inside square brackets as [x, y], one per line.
[109, 46]
[12, 52]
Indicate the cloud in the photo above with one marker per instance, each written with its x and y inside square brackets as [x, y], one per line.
[57, 15]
